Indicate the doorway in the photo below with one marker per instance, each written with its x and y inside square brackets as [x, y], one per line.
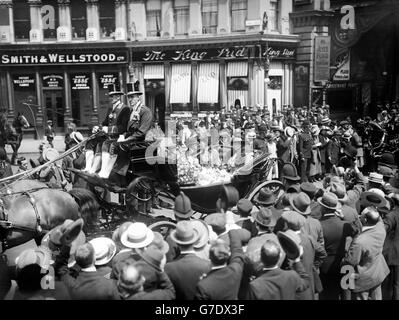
[54, 102]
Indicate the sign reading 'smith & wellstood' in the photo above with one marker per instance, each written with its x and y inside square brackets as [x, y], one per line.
[63, 58]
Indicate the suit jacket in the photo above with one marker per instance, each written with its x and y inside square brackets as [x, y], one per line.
[314, 229]
[283, 149]
[305, 145]
[185, 273]
[279, 284]
[224, 283]
[335, 232]
[349, 214]
[116, 120]
[87, 285]
[333, 150]
[391, 245]
[365, 255]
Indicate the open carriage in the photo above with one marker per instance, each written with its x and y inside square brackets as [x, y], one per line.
[151, 185]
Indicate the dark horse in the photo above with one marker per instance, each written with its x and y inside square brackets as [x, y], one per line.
[29, 208]
[11, 133]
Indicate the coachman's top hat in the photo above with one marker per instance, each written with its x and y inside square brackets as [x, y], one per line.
[134, 88]
[114, 89]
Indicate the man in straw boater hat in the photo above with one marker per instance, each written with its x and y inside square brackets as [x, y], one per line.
[365, 256]
[90, 284]
[139, 123]
[101, 150]
[335, 232]
[186, 270]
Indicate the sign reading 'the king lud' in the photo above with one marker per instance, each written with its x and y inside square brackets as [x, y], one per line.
[64, 58]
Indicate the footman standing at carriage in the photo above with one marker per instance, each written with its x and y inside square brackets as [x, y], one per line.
[103, 148]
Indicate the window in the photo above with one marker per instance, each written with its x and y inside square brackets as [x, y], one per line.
[274, 15]
[238, 15]
[79, 20]
[4, 15]
[107, 18]
[182, 17]
[50, 19]
[209, 16]
[153, 13]
[21, 19]
[237, 84]
[180, 91]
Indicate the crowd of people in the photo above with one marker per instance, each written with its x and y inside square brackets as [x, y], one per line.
[294, 245]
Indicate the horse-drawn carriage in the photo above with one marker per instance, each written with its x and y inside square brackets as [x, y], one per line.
[151, 185]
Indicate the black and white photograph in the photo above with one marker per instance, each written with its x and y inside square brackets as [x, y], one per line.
[186, 150]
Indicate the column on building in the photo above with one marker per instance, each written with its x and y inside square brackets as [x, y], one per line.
[10, 91]
[64, 30]
[39, 94]
[36, 30]
[93, 21]
[258, 85]
[224, 16]
[137, 20]
[120, 20]
[195, 17]
[168, 29]
[68, 103]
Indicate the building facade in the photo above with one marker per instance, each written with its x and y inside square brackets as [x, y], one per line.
[190, 56]
[360, 69]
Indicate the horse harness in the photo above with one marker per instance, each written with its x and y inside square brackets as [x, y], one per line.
[6, 226]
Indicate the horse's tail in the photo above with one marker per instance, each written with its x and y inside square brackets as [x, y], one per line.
[88, 205]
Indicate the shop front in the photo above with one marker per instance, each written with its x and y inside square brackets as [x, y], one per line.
[191, 80]
[62, 86]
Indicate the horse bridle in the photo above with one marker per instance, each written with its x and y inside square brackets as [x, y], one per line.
[6, 226]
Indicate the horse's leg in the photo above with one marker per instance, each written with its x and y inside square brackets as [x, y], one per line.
[15, 146]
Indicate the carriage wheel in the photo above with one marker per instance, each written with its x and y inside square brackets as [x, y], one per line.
[140, 195]
[163, 227]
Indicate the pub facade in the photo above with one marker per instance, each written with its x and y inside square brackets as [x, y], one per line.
[192, 78]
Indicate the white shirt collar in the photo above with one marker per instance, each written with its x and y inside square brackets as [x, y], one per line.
[219, 267]
[187, 252]
[89, 269]
[267, 269]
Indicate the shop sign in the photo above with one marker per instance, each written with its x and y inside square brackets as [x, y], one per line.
[343, 68]
[80, 82]
[192, 54]
[181, 115]
[106, 79]
[53, 81]
[26, 81]
[322, 58]
[63, 58]
[278, 52]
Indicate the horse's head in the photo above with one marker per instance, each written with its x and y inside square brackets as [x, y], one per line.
[22, 121]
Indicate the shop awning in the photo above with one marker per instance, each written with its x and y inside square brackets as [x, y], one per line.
[154, 71]
[208, 83]
[237, 69]
[232, 95]
[180, 91]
